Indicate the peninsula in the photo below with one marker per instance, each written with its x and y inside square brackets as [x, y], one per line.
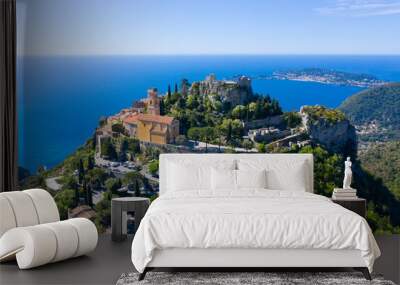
[328, 76]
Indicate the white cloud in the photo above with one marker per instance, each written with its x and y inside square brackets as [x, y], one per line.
[360, 8]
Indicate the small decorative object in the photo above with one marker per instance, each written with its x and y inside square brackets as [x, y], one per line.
[346, 193]
[347, 174]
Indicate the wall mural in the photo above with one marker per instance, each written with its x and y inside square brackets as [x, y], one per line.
[99, 100]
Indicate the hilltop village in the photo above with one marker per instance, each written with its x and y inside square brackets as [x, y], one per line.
[121, 159]
[238, 120]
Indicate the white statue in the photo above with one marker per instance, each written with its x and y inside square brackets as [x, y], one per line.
[347, 174]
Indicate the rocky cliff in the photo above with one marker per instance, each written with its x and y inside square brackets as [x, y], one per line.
[330, 129]
[235, 92]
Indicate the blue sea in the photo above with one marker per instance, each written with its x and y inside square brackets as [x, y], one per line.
[62, 98]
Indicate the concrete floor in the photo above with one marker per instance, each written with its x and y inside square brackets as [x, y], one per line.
[110, 260]
[103, 266]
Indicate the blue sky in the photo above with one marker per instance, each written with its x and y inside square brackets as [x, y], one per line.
[93, 27]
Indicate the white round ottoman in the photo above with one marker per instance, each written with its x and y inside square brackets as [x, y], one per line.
[31, 230]
[37, 245]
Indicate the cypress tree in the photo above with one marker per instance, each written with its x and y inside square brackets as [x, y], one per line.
[229, 132]
[169, 92]
[137, 188]
[76, 198]
[84, 187]
[176, 88]
[89, 196]
[81, 171]
[90, 163]
[162, 108]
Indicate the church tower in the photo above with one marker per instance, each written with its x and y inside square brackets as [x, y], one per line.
[153, 102]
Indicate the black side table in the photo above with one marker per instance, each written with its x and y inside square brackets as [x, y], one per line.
[357, 205]
[119, 209]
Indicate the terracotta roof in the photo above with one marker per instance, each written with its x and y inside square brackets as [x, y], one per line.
[131, 119]
[156, 118]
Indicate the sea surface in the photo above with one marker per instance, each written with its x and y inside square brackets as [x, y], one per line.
[62, 98]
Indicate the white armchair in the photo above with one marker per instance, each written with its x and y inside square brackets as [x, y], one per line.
[31, 230]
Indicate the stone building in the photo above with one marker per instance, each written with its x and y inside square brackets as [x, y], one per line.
[152, 102]
[232, 91]
[146, 124]
[157, 129]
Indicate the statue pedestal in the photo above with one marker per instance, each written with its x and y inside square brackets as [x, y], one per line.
[344, 194]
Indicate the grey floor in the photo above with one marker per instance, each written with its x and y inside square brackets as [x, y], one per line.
[110, 260]
[103, 266]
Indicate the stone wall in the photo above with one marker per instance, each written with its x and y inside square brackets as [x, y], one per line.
[234, 92]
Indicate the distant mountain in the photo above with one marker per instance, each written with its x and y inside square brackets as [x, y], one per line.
[375, 112]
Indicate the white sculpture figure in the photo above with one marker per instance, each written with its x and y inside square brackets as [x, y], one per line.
[347, 174]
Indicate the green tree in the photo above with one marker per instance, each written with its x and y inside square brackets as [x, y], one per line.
[133, 145]
[76, 197]
[181, 103]
[192, 102]
[276, 109]
[232, 130]
[96, 178]
[252, 108]
[108, 149]
[123, 149]
[65, 199]
[206, 135]
[69, 182]
[184, 87]
[89, 196]
[247, 144]
[261, 147]
[84, 192]
[218, 106]
[137, 189]
[259, 112]
[292, 119]
[119, 128]
[194, 134]
[113, 184]
[239, 112]
[103, 214]
[81, 172]
[131, 177]
[90, 162]
[229, 132]
[169, 93]
[153, 167]
[163, 110]
[327, 169]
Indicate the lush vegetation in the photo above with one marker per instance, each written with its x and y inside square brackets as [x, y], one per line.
[316, 112]
[383, 209]
[210, 119]
[292, 119]
[383, 161]
[213, 121]
[379, 104]
[119, 148]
